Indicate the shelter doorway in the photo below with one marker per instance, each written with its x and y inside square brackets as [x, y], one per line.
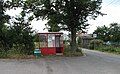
[57, 44]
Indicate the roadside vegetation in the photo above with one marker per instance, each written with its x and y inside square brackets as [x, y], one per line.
[16, 35]
[107, 48]
[69, 53]
[110, 49]
[109, 39]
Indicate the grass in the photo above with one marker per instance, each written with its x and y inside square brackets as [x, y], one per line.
[18, 54]
[70, 53]
[14, 54]
[110, 49]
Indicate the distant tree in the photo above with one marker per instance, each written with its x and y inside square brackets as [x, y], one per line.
[111, 33]
[115, 32]
[102, 33]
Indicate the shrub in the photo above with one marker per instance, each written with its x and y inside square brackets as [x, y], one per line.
[110, 48]
[3, 54]
[95, 43]
[68, 52]
[14, 54]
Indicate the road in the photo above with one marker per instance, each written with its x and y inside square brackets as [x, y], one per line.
[93, 62]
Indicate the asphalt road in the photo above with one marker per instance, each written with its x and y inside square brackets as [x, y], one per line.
[93, 63]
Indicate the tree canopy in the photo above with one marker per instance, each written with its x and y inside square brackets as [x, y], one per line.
[70, 15]
[102, 33]
[18, 33]
[22, 34]
[111, 33]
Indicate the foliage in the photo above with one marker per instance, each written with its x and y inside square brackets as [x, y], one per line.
[111, 33]
[18, 35]
[3, 54]
[95, 43]
[36, 38]
[114, 32]
[17, 54]
[71, 15]
[23, 38]
[67, 51]
[102, 33]
[52, 27]
[79, 41]
[14, 54]
[110, 49]
[4, 39]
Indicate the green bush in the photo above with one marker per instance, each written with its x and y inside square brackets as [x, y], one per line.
[13, 53]
[68, 52]
[3, 54]
[28, 50]
[95, 43]
[117, 50]
[110, 48]
[104, 48]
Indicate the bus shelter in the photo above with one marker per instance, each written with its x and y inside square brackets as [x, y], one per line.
[51, 43]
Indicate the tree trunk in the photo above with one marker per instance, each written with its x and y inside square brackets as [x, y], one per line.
[73, 40]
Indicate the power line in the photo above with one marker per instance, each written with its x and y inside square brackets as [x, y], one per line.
[118, 2]
[111, 2]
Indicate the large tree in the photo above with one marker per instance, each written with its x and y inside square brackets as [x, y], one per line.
[70, 15]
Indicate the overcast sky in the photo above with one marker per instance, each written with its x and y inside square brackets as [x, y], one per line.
[112, 9]
[109, 7]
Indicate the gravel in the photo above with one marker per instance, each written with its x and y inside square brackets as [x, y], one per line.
[94, 62]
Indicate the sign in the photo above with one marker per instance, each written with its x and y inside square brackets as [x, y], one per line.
[94, 35]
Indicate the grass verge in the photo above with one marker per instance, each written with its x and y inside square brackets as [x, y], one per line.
[71, 53]
[109, 49]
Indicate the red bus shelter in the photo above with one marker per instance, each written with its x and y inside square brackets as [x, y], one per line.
[51, 43]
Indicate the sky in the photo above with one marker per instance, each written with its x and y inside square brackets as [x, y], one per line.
[112, 9]
[109, 7]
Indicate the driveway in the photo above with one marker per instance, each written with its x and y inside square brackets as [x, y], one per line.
[93, 63]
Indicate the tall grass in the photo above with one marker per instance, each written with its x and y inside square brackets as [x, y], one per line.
[109, 48]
